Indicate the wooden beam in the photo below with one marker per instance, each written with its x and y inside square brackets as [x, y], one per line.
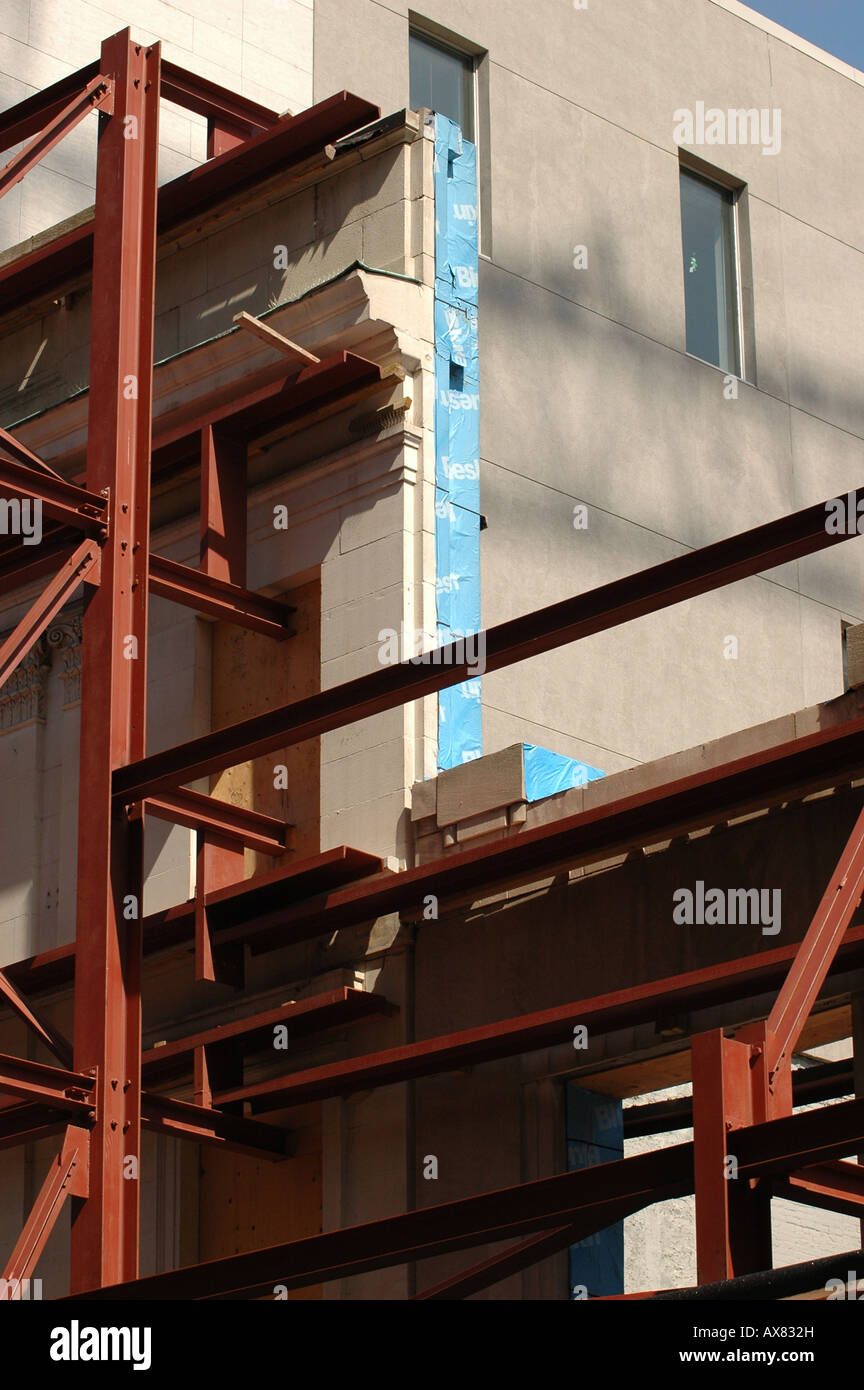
[273, 339]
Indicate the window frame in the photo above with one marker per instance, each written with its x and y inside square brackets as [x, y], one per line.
[738, 194]
[467, 57]
[731, 300]
[478, 57]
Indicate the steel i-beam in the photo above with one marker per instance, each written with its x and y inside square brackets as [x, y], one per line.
[108, 944]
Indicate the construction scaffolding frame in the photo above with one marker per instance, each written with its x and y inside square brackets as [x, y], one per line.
[96, 1098]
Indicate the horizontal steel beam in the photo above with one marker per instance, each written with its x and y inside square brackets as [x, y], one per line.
[697, 572]
[778, 1146]
[27, 1124]
[54, 1086]
[290, 142]
[194, 93]
[785, 772]
[604, 1013]
[181, 1120]
[218, 599]
[837, 1187]
[810, 1085]
[65, 502]
[479, 1220]
[198, 811]
[332, 1009]
[797, 1141]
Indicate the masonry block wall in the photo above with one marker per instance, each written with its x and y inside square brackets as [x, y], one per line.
[356, 551]
[260, 48]
[587, 394]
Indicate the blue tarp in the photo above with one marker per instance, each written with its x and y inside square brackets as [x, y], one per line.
[457, 431]
[547, 773]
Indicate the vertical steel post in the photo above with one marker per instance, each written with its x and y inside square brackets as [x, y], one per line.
[223, 556]
[733, 1218]
[114, 663]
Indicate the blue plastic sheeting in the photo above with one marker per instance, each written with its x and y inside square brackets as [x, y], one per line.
[595, 1134]
[457, 432]
[547, 773]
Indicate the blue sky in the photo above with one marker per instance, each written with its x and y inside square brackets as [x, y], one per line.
[837, 25]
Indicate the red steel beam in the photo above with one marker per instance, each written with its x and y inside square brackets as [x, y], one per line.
[185, 89]
[790, 770]
[813, 960]
[775, 1146]
[228, 602]
[783, 772]
[520, 1257]
[478, 1220]
[698, 572]
[199, 812]
[24, 456]
[25, 119]
[333, 1009]
[82, 565]
[73, 506]
[222, 555]
[109, 923]
[18, 568]
[733, 1219]
[47, 1034]
[96, 95]
[605, 1013]
[293, 879]
[67, 1177]
[208, 99]
[27, 1124]
[837, 1187]
[514, 1260]
[55, 1086]
[289, 142]
[197, 1123]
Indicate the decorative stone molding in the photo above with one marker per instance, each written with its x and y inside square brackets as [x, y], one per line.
[65, 636]
[22, 698]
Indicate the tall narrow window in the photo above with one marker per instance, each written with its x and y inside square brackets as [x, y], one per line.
[443, 79]
[710, 272]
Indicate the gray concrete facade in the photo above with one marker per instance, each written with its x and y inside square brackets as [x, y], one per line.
[587, 393]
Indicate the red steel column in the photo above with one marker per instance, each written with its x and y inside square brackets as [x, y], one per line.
[223, 556]
[114, 668]
[733, 1218]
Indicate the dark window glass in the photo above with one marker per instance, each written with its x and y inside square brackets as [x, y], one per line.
[443, 80]
[710, 273]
